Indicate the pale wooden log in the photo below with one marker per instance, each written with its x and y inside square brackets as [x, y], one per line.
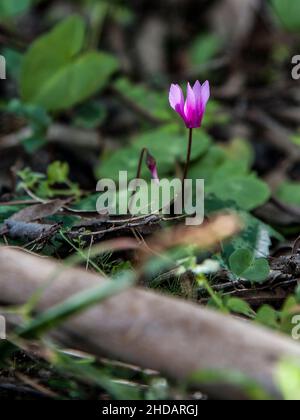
[147, 329]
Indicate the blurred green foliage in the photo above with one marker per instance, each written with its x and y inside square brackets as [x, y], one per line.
[288, 13]
[288, 378]
[9, 8]
[57, 75]
[289, 192]
[204, 48]
[56, 183]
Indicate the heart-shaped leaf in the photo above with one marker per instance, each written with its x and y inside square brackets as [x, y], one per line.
[248, 192]
[49, 54]
[243, 264]
[55, 76]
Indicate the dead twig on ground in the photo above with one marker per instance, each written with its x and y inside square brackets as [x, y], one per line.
[59, 134]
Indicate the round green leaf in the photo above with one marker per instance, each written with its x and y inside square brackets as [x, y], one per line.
[258, 272]
[243, 264]
[240, 261]
[49, 54]
[76, 82]
[248, 192]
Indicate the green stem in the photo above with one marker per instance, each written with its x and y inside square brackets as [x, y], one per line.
[214, 296]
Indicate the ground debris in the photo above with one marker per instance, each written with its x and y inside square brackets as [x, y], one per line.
[29, 231]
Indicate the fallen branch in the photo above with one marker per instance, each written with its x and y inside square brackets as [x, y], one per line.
[166, 334]
[58, 133]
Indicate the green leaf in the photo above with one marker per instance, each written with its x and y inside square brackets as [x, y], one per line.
[267, 316]
[49, 54]
[240, 150]
[223, 163]
[248, 192]
[204, 48]
[255, 237]
[243, 264]
[37, 118]
[55, 76]
[240, 261]
[10, 8]
[77, 81]
[239, 306]
[13, 62]
[208, 165]
[90, 115]
[122, 160]
[288, 12]
[58, 172]
[258, 271]
[169, 146]
[230, 169]
[153, 102]
[33, 143]
[166, 147]
[289, 192]
[8, 211]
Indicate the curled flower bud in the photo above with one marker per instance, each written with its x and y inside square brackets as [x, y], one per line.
[151, 163]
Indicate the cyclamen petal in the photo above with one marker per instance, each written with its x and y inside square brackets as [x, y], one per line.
[176, 98]
[190, 107]
[205, 92]
[198, 95]
[190, 98]
[197, 92]
[192, 111]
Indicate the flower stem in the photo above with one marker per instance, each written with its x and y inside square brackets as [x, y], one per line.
[188, 158]
[139, 169]
[138, 173]
[187, 164]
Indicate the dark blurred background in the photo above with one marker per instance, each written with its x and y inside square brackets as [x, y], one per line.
[244, 48]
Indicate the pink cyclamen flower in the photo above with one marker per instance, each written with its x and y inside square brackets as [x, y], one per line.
[193, 109]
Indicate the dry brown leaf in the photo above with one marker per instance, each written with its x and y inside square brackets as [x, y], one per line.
[209, 235]
[39, 211]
